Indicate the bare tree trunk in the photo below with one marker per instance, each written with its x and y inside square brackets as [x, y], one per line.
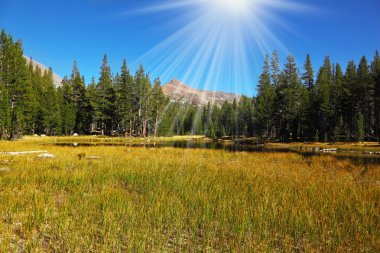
[155, 127]
[144, 126]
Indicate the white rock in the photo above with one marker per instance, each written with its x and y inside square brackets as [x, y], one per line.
[93, 157]
[46, 155]
[23, 152]
[75, 134]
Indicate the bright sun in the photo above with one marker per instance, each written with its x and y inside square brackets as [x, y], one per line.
[218, 41]
[234, 7]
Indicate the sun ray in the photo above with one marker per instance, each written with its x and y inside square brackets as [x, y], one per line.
[222, 43]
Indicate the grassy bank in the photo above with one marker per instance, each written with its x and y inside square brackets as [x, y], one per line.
[155, 200]
[343, 146]
[109, 140]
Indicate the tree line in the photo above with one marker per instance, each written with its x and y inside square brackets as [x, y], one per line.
[290, 104]
[31, 104]
[334, 106]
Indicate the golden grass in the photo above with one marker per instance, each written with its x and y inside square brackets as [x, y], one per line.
[104, 139]
[165, 200]
[344, 146]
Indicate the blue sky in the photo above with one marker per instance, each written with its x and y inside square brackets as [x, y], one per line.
[56, 33]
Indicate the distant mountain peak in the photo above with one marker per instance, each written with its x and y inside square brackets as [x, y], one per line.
[177, 91]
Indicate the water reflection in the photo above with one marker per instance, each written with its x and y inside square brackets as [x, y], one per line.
[355, 158]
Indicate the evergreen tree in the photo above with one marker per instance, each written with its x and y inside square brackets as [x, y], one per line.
[349, 103]
[264, 107]
[79, 101]
[14, 75]
[49, 112]
[308, 76]
[158, 105]
[142, 92]
[275, 68]
[92, 96]
[145, 105]
[364, 95]
[245, 116]
[322, 99]
[360, 125]
[32, 101]
[226, 119]
[375, 71]
[5, 112]
[67, 107]
[336, 101]
[124, 99]
[289, 107]
[105, 107]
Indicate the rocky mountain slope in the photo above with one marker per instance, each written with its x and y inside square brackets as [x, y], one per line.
[180, 92]
[56, 78]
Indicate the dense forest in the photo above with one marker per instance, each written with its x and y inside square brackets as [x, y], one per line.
[291, 104]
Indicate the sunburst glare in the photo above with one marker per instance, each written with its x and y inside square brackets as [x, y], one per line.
[234, 7]
[221, 43]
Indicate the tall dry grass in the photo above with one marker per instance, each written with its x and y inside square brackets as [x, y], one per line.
[163, 200]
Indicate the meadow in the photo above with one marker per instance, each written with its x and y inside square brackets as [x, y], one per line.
[184, 200]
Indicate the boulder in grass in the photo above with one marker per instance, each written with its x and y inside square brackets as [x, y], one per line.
[46, 156]
[75, 135]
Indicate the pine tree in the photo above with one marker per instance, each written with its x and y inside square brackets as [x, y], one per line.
[275, 68]
[308, 111]
[124, 99]
[67, 107]
[245, 116]
[5, 115]
[137, 101]
[364, 94]
[336, 101]
[105, 105]
[5, 112]
[145, 105]
[226, 118]
[49, 111]
[360, 130]
[265, 101]
[14, 75]
[323, 103]
[308, 76]
[158, 105]
[375, 71]
[142, 93]
[79, 101]
[32, 101]
[349, 103]
[92, 97]
[289, 92]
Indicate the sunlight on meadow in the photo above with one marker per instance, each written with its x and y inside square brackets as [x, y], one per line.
[175, 200]
[189, 126]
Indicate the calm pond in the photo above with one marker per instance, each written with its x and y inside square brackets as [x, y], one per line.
[357, 158]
